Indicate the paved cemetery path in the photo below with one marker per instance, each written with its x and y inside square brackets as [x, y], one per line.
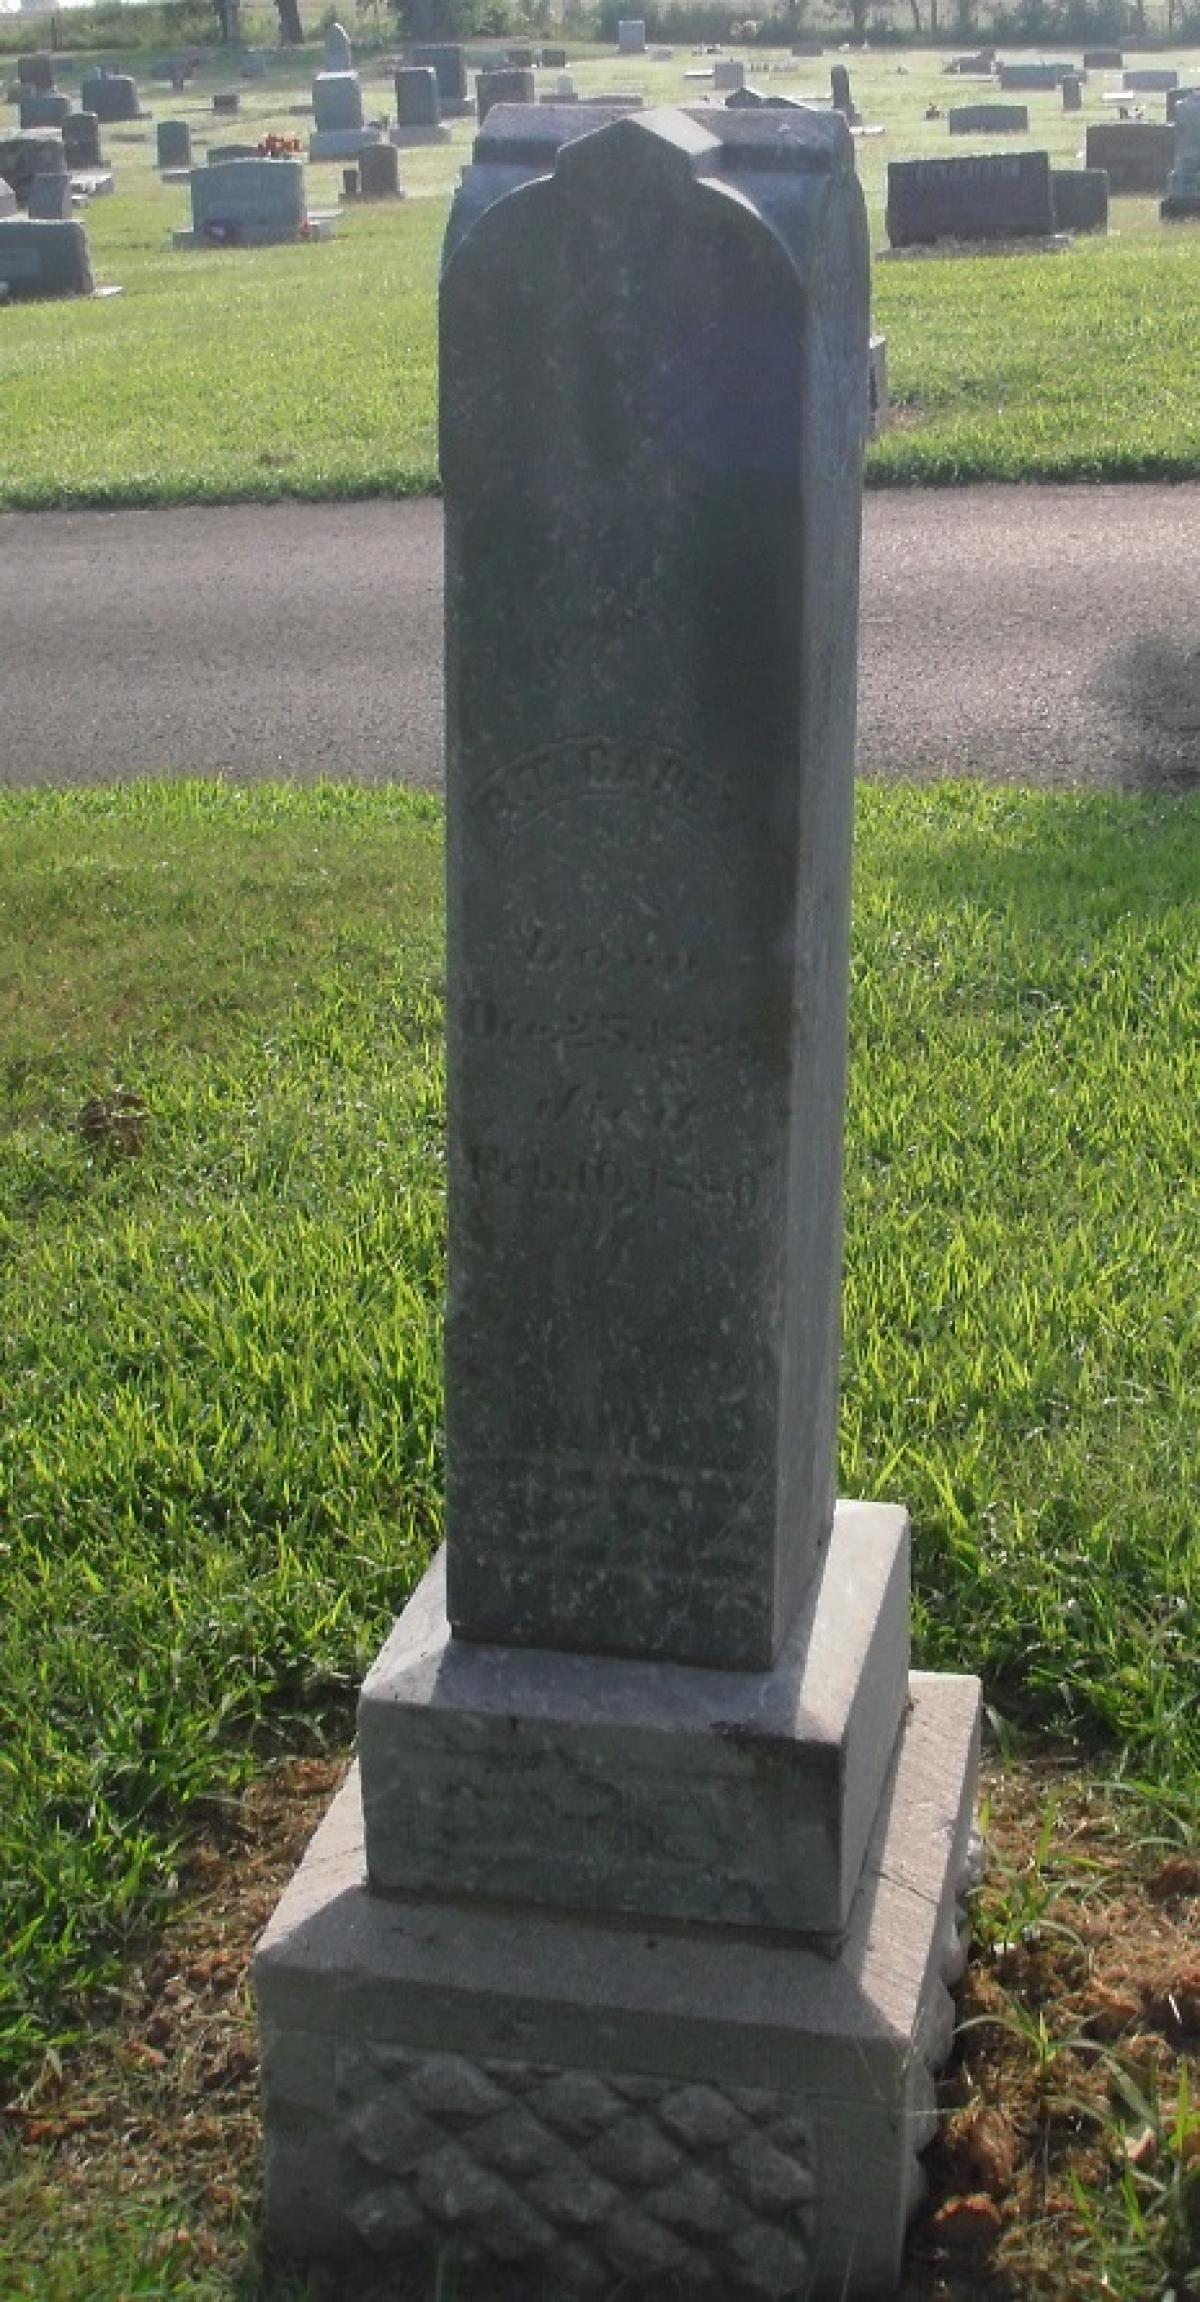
[1046, 635]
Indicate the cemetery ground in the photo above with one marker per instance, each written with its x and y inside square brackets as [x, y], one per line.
[221, 1201]
[309, 370]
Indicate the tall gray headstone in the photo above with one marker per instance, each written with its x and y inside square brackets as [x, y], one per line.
[339, 55]
[663, 1199]
[50, 192]
[631, 36]
[1072, 92]
[1183, 184]
[653, 364]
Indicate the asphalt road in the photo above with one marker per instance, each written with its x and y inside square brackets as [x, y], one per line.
[1046, 635]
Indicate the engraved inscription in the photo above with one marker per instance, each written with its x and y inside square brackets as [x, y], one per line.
[601, 1177]
[601, 767]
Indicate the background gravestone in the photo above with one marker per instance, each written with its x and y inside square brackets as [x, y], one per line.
[1183, 184]
[988, 119]
[81, 140]
[1072, 92]
[36, 71]
[112, 96]
[449, 62]
[1080, 199]
[339, 55]
[174, 144]
[985, 196]
[1149, 80]
[507, 86]
[652, 415]
[339, 132]
[631, 36]
[44, 259]
[40, 110]
[419, 106]
[50, 192]
[379, 173]
[1136, 155]
[248, 203]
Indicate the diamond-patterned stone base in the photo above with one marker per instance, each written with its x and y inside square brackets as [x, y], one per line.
[607, 2102]
[608, 2177]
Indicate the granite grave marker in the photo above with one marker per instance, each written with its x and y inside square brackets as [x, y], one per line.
[654, 343]
[1136, 155]
[988, 196]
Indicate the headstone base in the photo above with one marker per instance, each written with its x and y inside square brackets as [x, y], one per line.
[341, 143]
[431, 133]
[606, 2103]
[1179, 207]
[729, 1797]
[317, 226]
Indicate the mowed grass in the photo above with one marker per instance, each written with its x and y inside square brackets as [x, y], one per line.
[310, 371]
[220, 1451]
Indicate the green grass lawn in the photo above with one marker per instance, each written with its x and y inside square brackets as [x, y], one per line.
[311, 371]
[220, 1453]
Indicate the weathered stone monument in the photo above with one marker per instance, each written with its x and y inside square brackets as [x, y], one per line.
[1182, 201]
[629, 1955]
[419, 106]
[112, 96]
[631, 36]
[1080, 199]
[339, 55]
[729, 74]
[1149, 79]
[251, 203]
[81, 141]
[1040, 75]
[1136, 155]
[984, 196]
[379, 173]
[339, 129]
[988, 119]
[39, 109]
[507, 85]
[50, 192]
[449, 62]
[839, 94]
[45, 259]
[36, 71]
[1072, 92]
[173, 140]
